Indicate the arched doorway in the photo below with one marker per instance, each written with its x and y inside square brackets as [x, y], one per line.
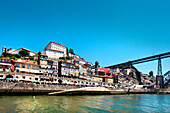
[60, 81]
[9, 76]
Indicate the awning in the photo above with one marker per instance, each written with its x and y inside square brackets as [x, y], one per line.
[5, 64]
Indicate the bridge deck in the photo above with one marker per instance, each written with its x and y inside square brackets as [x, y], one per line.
[142, 60]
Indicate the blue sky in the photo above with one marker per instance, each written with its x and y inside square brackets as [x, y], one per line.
[110, 31]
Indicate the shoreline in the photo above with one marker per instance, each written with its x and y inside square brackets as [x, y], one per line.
[4, 92]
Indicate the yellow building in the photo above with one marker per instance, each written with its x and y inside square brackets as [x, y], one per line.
[84, 70]
[43, 65]
[96, 79]
[26, 66]
[110, 80]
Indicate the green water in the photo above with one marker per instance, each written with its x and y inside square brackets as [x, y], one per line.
[86, 104]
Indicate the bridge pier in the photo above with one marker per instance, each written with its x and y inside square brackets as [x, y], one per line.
[159, 73]
[159, 77]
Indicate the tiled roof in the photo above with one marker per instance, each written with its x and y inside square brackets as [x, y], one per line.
[54, 43]
[26, 62]
[43, 55]
[25, 50]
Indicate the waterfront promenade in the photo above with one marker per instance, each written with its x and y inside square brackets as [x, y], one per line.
[9, 88]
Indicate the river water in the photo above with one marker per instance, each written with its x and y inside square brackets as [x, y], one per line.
[86, 104]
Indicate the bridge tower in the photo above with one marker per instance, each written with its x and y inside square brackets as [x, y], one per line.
[159, 77]
[159, 67]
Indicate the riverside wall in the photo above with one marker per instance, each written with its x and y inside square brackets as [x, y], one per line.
[8, 88]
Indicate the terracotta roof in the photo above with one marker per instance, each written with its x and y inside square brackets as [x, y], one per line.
[25, 49]
[43, 55]
[77, 59]
[26, 62]
[54, 43]
[5, 58]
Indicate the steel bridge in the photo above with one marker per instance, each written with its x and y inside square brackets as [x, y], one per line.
[146, 59]
[167, 75]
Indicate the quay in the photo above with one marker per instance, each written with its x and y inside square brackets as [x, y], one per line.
[8, 88]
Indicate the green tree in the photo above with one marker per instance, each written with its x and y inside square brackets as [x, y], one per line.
[108, 74]
[71, 51]
[151, 74]
[68, 58]
[17, 55]
[23, 53]
[31, 57]
[62, 58]
[39, 53]
[4, 54]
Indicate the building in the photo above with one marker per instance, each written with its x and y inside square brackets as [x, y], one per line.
[4, 49]
[89, 65]
[55, 66]
[43, 65]
[13, 51]
[63, 69]
[85, 70]
[103, 71]
[81, 64]
[50, 67]
[54, 50]
[6, 65]
[26, 66]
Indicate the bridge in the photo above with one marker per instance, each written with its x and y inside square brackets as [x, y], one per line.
[167, 75]
[146, 59]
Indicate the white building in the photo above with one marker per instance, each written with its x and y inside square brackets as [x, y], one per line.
[54, 50]
[13, 51]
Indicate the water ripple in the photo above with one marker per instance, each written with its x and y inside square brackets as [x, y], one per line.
[86, 104]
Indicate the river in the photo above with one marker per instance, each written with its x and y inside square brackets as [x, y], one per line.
[86, 104]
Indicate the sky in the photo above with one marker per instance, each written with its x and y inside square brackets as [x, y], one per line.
[108, 31]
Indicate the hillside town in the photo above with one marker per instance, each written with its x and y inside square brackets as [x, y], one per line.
[58, 65]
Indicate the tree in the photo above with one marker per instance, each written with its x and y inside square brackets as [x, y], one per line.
[63, 58]
[68, 58]
[23, 53]
[4, 54]
[31, 58]
[108, 74]
[151, 74]
[17, 55]
[39, 53]
[71, 51]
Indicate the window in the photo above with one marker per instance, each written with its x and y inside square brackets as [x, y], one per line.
[37, 67]
[23, 77]
[23, 65]
[17, 65]
[28, 66]
[33, 67]
[36, 78]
